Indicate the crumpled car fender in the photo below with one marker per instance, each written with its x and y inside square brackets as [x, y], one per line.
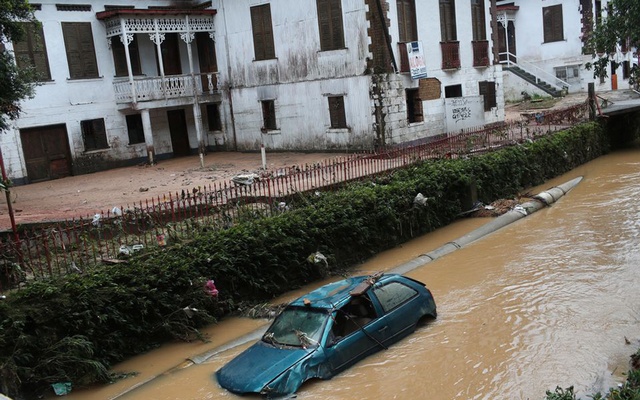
[288, 382]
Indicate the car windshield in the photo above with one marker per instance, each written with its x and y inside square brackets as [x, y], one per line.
[296, 326]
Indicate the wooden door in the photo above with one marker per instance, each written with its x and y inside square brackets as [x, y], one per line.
[171, 55]
[503, 47]
[179, 132]
[46, 152]
[206, 58]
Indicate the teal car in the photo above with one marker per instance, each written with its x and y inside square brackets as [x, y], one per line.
[326, 331]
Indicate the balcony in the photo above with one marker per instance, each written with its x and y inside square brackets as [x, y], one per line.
[450, 55]
[480, 53]
[163, 88]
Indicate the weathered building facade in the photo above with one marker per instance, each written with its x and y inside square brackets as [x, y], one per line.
[126, 83]
[549, 41]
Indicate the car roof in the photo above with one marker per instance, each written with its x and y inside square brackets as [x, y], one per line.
[335, 294]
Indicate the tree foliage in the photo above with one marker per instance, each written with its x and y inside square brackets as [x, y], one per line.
[620, 24]
[16, 84]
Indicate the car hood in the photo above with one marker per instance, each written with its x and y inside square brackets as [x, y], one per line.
[255, 367]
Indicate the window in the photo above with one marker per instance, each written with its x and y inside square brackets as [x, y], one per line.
[552, 23]
[262, 32]
[626, 70]
[170, 50]
[93, 134]
[414, 106]
[135, 129]
[81, 55]
[352, 317]
[269, 115]
[120, 56]
[452, 91]
[32, 51]
[478, 20]
[330, 24]
[488, 91]
[448, 21]
[213, 117]
[393, 295]
[569, 74]
[336, 112]
[407, 20]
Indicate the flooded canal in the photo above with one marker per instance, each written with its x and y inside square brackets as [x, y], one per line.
[550, 300]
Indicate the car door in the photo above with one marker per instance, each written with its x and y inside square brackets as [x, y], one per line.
[401, 307]
[344, 351]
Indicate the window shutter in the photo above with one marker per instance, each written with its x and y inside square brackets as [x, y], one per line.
[402, 23]
[256, 25]
[81, 56]
[448, 20]
[262, 32]
[407, 20]
[336, 25]
[269, 47]
[552, 23]
[336, 112]
[477, 17]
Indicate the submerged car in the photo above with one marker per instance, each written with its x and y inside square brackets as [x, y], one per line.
[327, 330]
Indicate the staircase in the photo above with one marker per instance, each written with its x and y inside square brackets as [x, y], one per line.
[534, 80]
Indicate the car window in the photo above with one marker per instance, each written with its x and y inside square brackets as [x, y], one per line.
[301, 327]
[352, 317]
[393, 294]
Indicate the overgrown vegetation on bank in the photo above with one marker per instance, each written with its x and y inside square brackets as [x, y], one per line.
[74, 328]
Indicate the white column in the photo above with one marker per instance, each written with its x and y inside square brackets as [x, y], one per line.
[188, 37]
[157, 38]
[148, 135]
[126, 39]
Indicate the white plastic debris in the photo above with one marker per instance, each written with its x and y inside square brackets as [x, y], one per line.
[420, 199]
[116, 211]
[245, 179]
[127, 250]
[521, 210]
[96, 220]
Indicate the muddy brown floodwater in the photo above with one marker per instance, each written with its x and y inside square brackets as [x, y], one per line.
[548, 300]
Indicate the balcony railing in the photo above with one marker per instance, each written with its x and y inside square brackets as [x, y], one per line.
[450, 55]
[480, 53]
[168, 87]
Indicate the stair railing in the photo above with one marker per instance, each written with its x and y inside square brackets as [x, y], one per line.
[554, 81]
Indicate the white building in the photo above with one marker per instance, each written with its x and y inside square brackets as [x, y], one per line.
[547, 40]
[241, 74]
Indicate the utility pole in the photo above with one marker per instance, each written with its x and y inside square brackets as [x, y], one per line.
[5, 183]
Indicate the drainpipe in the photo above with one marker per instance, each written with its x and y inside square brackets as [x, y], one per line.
[539, 201]
[229, 85]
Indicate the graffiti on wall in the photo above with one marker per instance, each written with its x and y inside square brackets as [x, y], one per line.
[464, 112]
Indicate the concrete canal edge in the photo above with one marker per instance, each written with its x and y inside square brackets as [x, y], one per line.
[538, 202]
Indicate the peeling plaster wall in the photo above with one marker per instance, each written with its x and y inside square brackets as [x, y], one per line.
[302, 116]
[68, 102]
[298, 80]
